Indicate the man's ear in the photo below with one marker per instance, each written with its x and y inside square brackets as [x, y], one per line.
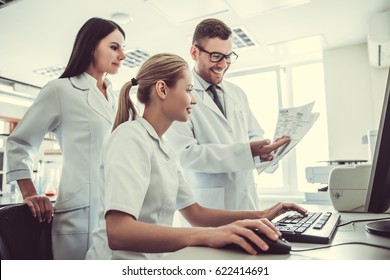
[193, 52]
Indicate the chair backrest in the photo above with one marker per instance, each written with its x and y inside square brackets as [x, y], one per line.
[23, 237]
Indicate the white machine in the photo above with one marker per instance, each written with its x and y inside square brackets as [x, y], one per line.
[378, 40]
[348, 187]
[320, 174]
[346, 180]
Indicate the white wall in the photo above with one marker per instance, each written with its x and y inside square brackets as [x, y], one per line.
[354, 98]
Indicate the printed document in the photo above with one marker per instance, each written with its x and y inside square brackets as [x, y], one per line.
[294, 122]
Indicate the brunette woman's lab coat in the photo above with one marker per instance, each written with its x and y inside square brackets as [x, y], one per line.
[79, 115]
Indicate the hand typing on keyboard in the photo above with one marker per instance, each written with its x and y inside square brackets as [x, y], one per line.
[281, 208]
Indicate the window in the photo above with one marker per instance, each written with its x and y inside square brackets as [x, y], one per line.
[273, 88]
[263, 94]
[3, 131]
[308, 85]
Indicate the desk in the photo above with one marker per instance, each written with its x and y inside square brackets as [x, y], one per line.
[344, 234]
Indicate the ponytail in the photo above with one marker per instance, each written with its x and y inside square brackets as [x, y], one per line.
[166, 67]
[125, 105]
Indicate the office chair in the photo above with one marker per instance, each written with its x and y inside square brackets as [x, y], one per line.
[22, 237]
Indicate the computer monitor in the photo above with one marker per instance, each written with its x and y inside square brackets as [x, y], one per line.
[378, 195]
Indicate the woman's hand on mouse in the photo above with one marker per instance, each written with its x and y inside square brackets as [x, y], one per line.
[240, 231]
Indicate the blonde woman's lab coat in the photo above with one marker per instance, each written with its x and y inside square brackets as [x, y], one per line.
[141, 179]
[76, 111]
[214, 150]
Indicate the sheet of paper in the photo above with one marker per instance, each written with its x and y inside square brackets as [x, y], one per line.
[294, 122]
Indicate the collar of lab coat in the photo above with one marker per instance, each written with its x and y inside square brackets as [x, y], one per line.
[199, 84]
[95, 99]
[152, 132]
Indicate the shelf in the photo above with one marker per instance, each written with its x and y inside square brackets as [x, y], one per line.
[52, 152]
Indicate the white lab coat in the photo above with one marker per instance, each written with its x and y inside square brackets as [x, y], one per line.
[76, 111]
[214, 151]
[142, 179]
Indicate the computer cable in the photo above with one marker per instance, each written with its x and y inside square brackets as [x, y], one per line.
[363, 220]
[341, 244]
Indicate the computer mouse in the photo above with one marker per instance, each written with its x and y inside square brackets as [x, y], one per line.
[279, 246]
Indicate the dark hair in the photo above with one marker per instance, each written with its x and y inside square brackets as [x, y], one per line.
[86, 41]
[211, 28]
[164, 66]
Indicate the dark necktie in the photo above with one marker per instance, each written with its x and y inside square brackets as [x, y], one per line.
[217, 101]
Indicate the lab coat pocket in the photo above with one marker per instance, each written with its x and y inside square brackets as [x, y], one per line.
[74, 200]
[210, 197]
[70, 234]
[71, 221]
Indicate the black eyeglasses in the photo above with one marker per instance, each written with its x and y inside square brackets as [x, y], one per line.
[217, 57]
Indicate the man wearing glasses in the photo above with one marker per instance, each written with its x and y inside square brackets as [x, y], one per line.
[220, 143]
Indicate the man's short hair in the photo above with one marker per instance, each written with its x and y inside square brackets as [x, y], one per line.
[211, 28]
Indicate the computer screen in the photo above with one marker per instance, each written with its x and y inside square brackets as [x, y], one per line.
[378, 195]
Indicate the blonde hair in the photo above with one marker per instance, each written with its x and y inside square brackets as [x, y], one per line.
[164, 66]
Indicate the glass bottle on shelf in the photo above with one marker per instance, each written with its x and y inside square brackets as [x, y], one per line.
[51, 178]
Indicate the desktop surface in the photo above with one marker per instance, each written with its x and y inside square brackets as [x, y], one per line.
[344, 234]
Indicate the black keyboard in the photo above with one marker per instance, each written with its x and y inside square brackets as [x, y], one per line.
[317, 227]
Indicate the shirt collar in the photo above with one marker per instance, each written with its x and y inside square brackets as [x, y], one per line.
[205, 85]
[93, 82]
[148, 127]
[152, 132]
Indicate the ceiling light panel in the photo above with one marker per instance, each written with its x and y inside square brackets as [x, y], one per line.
[51, 71]
[135, 58]
[257, 7]
[179, 11]
[4, 2]
[242, 38]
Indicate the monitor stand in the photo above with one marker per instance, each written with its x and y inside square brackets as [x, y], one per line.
[379, 228]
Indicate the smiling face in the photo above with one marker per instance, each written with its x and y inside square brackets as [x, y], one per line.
[180, 99]
[108, 54]
[211, 72]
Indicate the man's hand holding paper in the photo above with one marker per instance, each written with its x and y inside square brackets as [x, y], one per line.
[294, 122]
[265, 149]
